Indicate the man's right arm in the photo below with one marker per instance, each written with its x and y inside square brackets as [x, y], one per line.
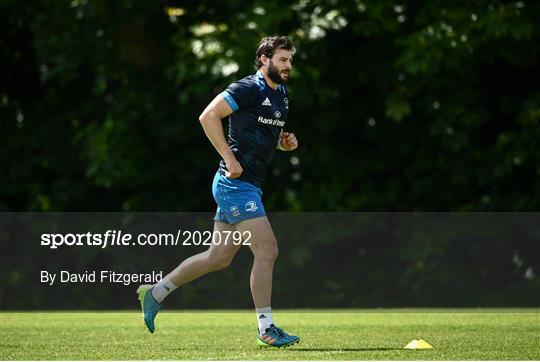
[211, 122]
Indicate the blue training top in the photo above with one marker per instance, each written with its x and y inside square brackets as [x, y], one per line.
[259, 114]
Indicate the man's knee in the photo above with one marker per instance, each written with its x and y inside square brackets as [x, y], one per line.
[267, 252]
[221, 260]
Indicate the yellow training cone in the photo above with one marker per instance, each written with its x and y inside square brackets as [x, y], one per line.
[418, 344]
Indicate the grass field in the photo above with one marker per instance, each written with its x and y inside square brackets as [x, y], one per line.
[326, 334]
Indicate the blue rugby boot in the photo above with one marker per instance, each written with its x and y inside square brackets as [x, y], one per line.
[149, 305]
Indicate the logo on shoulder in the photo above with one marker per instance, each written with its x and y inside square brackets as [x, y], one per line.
[251, 206]
[266, 102]
[286, 100]
[235, 211]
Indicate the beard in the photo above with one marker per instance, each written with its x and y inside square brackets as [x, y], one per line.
[275, 75]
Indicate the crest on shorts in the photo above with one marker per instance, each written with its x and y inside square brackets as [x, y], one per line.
[251, 206]
[235, 211]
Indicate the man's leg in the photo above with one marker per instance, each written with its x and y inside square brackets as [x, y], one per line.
[265, 251]
[218, 256]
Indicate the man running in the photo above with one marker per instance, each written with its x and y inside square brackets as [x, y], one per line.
[257, 108]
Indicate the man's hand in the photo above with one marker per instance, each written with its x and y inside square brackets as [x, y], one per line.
[288, 141]
[234, 169]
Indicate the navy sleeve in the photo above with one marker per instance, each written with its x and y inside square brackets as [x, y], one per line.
[241, 95]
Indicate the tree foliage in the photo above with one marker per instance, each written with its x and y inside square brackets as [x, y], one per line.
[398, 105]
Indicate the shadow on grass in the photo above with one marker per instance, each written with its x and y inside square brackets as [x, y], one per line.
[344, 349]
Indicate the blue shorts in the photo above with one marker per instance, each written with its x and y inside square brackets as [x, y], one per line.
[237, 200]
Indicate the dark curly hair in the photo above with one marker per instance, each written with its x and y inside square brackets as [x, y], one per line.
[268, 46]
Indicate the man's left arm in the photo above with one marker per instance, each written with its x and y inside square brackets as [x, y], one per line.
[287, 141]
